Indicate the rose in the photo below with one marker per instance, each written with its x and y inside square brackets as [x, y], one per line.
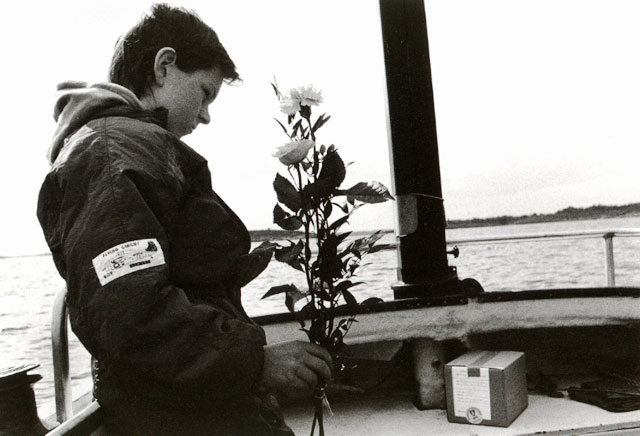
[308, 203]
[294, 152]
[300, 99]
[289, 106]
[306, 95]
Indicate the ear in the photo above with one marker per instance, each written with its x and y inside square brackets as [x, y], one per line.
[165, 58]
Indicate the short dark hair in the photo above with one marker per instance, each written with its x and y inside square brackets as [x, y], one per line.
[196, 44]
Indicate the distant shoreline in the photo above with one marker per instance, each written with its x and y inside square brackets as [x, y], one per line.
[567, 214]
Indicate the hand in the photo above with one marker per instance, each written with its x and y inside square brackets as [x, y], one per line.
[295, 368]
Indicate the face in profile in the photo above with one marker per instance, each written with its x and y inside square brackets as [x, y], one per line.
[187, 97]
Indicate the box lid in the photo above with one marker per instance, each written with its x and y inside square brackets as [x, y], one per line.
[486, 359]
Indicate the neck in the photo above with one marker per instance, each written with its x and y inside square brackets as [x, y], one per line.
[148, 102]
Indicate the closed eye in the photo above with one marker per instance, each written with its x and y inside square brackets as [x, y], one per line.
[210, 94]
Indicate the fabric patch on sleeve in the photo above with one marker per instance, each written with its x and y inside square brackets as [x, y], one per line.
[126, 258]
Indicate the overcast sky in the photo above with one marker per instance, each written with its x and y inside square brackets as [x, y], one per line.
[537, 102]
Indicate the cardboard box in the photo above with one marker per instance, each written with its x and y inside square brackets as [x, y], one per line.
[486, 387]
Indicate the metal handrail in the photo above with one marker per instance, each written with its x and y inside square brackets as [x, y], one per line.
[580, 234]
[607, 235]
[60, 348]
[87, 419]
[85, 422]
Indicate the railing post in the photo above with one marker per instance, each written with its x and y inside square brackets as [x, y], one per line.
[60, 347]
[608, 254]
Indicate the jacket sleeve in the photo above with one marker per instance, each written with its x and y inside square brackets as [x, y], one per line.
[139, 324]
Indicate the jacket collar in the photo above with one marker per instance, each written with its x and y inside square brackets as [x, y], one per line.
[77, 103]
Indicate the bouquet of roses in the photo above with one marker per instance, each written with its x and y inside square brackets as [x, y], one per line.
[310, 198]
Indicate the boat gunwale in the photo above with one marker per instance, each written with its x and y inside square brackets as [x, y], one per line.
[460, 300]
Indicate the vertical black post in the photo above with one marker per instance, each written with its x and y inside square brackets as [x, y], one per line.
[423, 268]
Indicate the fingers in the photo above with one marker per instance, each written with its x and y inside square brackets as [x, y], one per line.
[320, 352]
[309, 377]
[319, 367]
[319, 360]
[295, 367]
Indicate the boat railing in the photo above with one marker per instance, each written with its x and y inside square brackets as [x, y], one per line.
[60, 342]
[607, 236]
[88, 419]
[60, 348]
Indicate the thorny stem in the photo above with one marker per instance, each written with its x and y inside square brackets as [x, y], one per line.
[307, 270]
[332, 304]
[318, 415]
[313, 136]
[324, 228]
[313, 425]
[330, 282]
[321, 425]
[319, 229]
[292, 176]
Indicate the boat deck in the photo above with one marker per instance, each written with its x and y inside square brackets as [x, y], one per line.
[396, 415]
[570, 339]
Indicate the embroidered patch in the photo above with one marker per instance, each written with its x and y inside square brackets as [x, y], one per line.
[126, 258]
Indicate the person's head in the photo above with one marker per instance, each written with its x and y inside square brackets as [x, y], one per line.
[172, 59]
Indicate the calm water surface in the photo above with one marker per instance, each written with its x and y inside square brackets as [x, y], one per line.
[28, 285]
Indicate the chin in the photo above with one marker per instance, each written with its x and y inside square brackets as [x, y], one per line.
[181, 133]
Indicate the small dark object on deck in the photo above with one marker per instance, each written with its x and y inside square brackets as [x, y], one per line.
[545, 385]
[610, 393]
[18, 413]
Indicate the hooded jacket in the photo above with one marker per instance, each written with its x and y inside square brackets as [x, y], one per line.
[154, 261]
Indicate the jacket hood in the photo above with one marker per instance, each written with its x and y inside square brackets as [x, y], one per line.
[78, 103]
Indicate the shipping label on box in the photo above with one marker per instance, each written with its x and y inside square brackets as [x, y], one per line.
[486, 387]
[471, 393]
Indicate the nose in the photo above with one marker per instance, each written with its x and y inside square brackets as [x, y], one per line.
[203, 116]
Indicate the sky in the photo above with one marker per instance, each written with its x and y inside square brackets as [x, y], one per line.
[537, 102]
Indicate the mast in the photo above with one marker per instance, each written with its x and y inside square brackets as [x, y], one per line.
[423, 268]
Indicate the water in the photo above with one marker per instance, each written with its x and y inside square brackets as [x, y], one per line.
[28, 286]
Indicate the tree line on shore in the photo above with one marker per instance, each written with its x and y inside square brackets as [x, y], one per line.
[567, 214]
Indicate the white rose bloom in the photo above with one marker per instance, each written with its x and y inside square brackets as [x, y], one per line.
[294, 152]
[289, 106]
[306, 95]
